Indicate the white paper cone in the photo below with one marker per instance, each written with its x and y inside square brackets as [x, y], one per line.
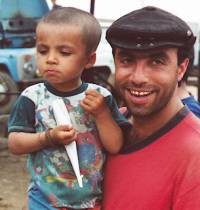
[62, 118]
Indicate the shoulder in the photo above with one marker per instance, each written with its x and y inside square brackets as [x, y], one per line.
[188, 134]
[34, 91]
[32, 88]
[192, 123]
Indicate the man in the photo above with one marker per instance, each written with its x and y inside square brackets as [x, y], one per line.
[159, 166]
[182, 91]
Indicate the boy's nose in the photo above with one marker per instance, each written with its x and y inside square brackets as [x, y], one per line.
[51, 58]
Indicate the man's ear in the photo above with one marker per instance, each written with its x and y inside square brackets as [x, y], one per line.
[182, 68]
[90, 60]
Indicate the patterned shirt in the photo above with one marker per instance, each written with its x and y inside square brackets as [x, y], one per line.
[50, 168]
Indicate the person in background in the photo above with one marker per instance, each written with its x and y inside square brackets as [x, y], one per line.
[159, 166]
[54, 5]
[182, 91]
[67, 39]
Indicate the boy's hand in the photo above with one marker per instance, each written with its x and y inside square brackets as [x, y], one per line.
[94, 103]
[63, 134]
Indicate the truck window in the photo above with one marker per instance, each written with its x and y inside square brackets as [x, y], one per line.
[25, 8]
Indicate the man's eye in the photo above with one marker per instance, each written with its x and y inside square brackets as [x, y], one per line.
[126, 60]
[158, 61]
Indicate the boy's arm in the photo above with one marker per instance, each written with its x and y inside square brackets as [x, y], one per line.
[110, 133]
[24, 143]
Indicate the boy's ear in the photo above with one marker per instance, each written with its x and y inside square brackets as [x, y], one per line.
[90, 60]
[182, 69]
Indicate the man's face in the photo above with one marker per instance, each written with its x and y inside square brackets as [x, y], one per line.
[147, 79]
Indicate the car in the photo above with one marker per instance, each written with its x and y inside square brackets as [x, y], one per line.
[18, 19]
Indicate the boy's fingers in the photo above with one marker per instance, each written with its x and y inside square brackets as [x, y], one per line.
[69, 134]
[92, 92]
[92, 97]
[65, 127]
[69, 137]
[88, 101]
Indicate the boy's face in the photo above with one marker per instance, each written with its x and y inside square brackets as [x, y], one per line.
[61, 55]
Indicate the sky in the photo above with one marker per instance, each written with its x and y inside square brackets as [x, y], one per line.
[113, 9]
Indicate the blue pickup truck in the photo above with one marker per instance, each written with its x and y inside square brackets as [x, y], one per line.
[18, 19]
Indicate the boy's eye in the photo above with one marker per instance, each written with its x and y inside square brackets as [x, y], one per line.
[65, 53]
[41, 50]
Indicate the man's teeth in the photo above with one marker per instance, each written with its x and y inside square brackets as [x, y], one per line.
[140, 93]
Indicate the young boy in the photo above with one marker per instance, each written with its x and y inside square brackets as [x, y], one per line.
[67, 39]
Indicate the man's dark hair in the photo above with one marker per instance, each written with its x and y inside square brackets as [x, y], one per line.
[186, 53]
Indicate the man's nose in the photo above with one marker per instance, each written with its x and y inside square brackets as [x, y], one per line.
[139, 73]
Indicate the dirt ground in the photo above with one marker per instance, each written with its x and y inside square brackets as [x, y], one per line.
[13, 179]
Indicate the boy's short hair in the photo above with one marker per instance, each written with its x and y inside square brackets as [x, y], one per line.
[90, 27]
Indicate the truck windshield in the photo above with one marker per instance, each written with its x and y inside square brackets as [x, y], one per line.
[24, 8]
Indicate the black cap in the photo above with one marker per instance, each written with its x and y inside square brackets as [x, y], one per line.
[150, 28]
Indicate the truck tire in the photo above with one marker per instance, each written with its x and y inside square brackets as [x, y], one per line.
[4, 125]
[8, 92]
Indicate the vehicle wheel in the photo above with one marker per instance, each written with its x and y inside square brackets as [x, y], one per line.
[9, 87]
[4, 125]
